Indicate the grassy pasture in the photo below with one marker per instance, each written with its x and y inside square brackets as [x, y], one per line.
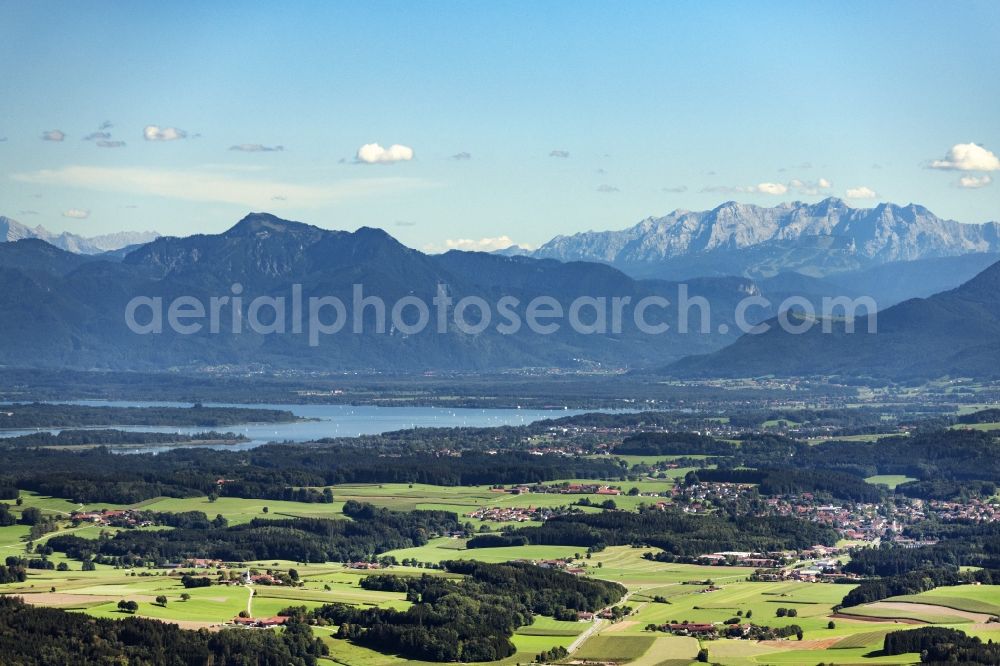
[881, 612]
[890, 480]
[970, 598]
[863, 639]
[98, 592]
[852, 656]
[614, 647]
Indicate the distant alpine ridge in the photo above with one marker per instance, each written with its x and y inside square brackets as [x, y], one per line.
[65, 310]
[12, 230]
[816, 240]
[950, 334]
[68, 310]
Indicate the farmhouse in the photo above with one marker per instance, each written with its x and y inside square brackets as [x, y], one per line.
[691, 628]
[364, 565]
[260, 623]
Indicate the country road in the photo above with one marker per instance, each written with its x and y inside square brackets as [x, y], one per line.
[597, 624]
[249, 601]
[582, 638]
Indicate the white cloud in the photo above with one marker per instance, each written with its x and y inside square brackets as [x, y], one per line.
[472, 245]
[810, 187]
[214, 186]
[373, 153]
[257, 148]
[53, 135]
[157, 133]
[562, 154]
[974, 182]
[862, 192]
[968, 157]
[76, 213]
[771, 188]
[760, 188]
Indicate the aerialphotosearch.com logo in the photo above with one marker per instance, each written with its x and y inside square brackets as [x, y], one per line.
[319, 316]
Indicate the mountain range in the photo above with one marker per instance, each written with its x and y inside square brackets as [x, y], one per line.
[67, 310]
[817, 240]
[12, 230]
[954, 333]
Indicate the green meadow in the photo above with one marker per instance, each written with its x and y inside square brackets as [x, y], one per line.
[890, 480]
[685, 588]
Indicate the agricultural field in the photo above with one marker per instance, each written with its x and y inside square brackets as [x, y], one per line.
[658, 592]
[970, 598]
[889, 480]
[977, 426]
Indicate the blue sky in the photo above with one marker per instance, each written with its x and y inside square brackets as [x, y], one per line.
[525, 120]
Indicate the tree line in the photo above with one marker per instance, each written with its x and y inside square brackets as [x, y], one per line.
[36, 636]
[46, 415]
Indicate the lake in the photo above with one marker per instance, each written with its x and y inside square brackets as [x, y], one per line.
[330, 421]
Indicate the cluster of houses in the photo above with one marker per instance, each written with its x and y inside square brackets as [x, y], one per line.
[578, 489]
[561, 565]
[260, 579]
[689, 628]
[745, 559]
[605, 614]
[112, 518]
[260, 622]
[817, 563]
[561, 489]
[512, 514]
[201, 563]
[974, 510]
[364, 566]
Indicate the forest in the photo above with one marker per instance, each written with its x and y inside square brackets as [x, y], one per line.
[46, 415]
[954, 461]
[791, 481]
[679, 535]
[109, 437]
[975, 544]
[471, 619]
[941, 645]
[269, 472]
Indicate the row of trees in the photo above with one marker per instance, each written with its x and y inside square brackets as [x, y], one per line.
[113, 437]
